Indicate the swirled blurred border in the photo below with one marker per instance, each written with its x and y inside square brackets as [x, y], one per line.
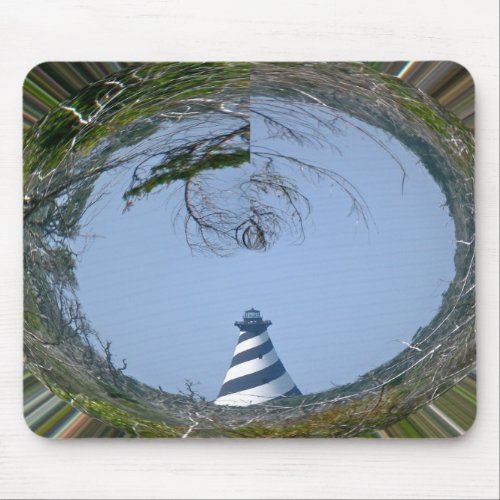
[450, 84]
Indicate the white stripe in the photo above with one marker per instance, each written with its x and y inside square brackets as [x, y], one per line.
[252, 366]
[253, 342]
[259, 394]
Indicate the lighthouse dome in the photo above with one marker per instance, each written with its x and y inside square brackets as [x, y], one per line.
[252, 314]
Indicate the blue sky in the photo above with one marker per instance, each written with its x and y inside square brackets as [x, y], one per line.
[338, 302]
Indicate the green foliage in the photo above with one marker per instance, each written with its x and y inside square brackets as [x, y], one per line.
[183, 167]
[106, 106]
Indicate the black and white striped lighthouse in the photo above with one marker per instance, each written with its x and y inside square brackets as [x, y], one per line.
[256, 374]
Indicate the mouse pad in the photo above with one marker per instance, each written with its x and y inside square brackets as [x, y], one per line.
[234, 249]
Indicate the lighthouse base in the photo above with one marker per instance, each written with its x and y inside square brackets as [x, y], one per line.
[281, 387]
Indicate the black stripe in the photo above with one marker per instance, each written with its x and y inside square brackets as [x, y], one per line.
[253, 353]
[253, 379]
[294, 391]
[248, 335]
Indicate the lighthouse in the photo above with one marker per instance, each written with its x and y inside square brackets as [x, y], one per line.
[256, 374]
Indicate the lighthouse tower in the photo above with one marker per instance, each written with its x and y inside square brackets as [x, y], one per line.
[256, 374]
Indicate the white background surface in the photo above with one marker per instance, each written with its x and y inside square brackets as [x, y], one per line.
[33, 31]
